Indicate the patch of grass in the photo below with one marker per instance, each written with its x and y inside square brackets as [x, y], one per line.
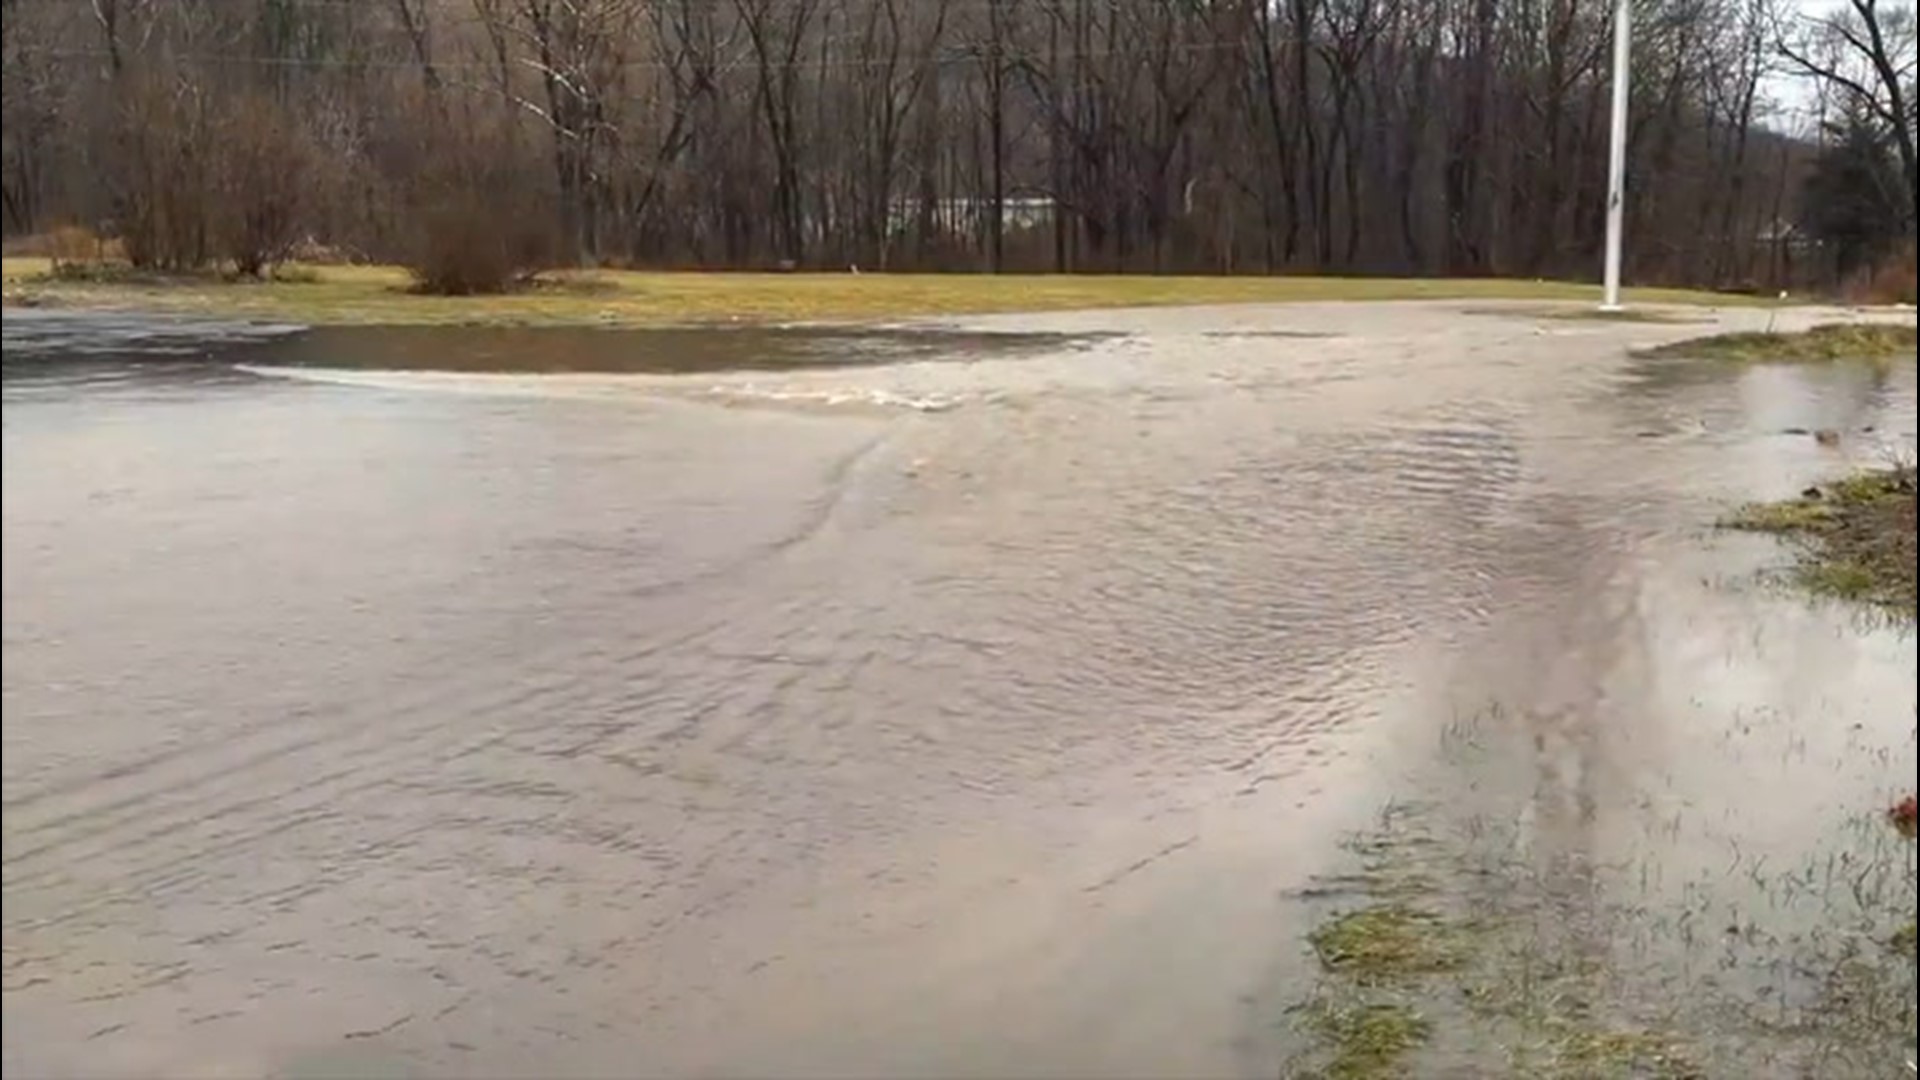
[576, 283]
[1878, 342]
[377, 295]
[1471, 957]
[1789, 515]
[1625, 315]
[1366, 1041]
[1903, 939]
[1587, 1053]
[1856, 536]
[1843, 579]
[1869, 488]
[1542, 1000]
[295, 274]
[1387, 943]
[1670, 314]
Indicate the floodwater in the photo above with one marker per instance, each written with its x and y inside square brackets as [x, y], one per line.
[371, 709]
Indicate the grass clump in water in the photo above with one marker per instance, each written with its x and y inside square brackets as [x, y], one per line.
[1788, 515]
[1588, 1053]
[1467, 956]
[1623, 315]
[1904, 939]
[1675, 314]
[1366, 1041]
[1878, 342]
[1856, 536]
[1387, 943]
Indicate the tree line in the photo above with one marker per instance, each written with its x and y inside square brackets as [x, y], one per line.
[1460, 137]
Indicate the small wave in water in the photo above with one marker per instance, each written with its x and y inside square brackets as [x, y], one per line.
[415, 682]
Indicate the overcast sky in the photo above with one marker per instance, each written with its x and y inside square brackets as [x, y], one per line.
[1794, 95]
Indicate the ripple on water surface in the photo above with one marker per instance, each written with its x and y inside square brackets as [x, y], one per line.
[346, 720]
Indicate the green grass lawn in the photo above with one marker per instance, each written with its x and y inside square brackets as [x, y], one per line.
[1828, 342]
[380, 295]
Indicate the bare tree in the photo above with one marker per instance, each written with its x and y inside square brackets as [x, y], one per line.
[1864, 54]
[1411, 136]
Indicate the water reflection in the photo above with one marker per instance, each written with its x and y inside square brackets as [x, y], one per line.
[48, 352]
[74, 336]
[669, 351]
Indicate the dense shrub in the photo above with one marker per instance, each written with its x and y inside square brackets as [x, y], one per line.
[156, 160]
[262, 185]
[474, 227]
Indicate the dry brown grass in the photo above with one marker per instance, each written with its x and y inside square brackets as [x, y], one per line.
[77, 253]
[1891, 281]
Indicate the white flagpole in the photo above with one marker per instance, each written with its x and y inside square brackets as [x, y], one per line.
[1617, 156]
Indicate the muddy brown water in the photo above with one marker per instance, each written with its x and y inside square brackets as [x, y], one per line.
[979, 712]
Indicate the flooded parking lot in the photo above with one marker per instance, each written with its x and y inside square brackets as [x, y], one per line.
[923, 704]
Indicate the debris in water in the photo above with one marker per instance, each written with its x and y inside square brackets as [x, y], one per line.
[1902, 815]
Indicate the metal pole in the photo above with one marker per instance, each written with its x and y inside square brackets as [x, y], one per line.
[1617, 155]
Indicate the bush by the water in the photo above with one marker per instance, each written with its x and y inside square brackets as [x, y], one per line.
[473, 228]
[1890, 281]
[452, 255]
